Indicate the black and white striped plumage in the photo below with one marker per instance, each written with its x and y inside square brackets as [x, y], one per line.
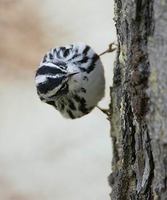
[71, 78]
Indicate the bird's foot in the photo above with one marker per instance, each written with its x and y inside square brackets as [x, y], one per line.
[105, 111]
[110, 49]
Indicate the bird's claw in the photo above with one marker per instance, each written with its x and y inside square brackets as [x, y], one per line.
[110, 49]
[106, 112]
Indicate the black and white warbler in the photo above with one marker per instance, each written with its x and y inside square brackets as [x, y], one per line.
[71, 78]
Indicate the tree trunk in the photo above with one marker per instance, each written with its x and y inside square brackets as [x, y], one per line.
[139, 101]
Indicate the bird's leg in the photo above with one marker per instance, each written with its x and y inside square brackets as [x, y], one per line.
[110, 49]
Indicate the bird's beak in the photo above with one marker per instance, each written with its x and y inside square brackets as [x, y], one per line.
[72, 74]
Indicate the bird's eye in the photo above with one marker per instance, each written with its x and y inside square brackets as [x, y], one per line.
[63, 90]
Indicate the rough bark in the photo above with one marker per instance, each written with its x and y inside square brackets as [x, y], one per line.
[139, 101]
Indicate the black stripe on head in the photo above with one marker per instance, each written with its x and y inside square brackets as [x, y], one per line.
[44, 70]
[64, 50]
[57, 52]
[61, 64]
[54, 82]
[44, 58]
[49, 84]
[50, 56]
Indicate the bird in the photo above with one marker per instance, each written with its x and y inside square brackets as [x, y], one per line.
[71, 79]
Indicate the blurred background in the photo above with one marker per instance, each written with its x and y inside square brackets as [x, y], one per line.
[42, 155]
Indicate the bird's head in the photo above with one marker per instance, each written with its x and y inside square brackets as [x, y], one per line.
[52, 81]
